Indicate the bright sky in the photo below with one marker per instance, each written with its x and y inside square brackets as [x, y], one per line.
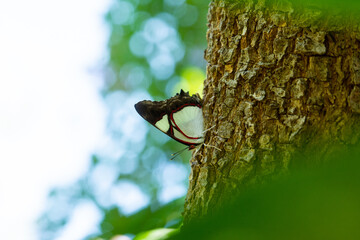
[51, 113]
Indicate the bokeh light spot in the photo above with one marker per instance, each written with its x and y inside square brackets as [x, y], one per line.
[129, 197]
[156, 30]
[122, 12]
[192, 80]
[140, 46]
[162, 66]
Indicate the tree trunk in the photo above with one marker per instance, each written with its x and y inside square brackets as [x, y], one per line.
[281, 83]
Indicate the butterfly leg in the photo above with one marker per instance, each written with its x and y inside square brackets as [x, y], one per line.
[209, 129]
[206, 145]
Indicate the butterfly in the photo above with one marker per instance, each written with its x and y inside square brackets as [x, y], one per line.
[179, 117]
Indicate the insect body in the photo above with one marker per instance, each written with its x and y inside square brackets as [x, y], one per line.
[180, 117]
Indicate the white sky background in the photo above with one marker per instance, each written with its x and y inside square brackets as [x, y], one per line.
[51, 113]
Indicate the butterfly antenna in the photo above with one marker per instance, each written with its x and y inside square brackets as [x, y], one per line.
[174, 155]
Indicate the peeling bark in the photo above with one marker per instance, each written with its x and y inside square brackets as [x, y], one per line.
[277, 86]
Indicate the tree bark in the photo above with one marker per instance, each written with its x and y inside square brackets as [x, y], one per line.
[281, 83]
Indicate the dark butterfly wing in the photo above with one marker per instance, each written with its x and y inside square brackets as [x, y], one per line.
[180, 117]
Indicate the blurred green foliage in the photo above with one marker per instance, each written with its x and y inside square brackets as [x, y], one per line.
[155, 48]
[116, 223]
[318, 203]
[154, 42]
[329, 7]
[347, 5]
[157, 234]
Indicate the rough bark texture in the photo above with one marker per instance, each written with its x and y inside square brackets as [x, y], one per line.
[277, 87]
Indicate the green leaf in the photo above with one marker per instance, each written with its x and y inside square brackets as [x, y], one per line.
[157, 234]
